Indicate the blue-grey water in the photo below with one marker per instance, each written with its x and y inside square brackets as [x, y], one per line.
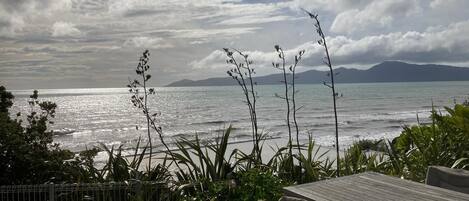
[372, 110]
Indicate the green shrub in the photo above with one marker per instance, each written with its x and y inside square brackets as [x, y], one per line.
[374, 145]
[444, 142]
[356, 160]
[309, 165]
[258, 184]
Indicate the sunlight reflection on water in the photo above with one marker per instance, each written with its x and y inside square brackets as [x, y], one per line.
[374, 110]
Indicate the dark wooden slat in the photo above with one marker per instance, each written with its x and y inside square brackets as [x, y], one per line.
[371, 186]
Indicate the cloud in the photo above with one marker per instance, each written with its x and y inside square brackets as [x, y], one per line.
[207, 33]
[254, 20]
[217, 59]
[64, 29]
[147, 42]
[448, 44]
[10, 25]
[214, 60]
[433, 45]
[181, 32]
[378, 13]
[15, 16]
[449, 4]
[328, 5]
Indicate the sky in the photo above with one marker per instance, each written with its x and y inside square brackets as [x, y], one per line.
[97, 43]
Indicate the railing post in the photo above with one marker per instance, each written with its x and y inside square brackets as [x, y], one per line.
[51, 192]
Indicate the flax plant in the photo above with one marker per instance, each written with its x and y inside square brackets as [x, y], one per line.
[140, 92]
[331, 85]
[288, 96]
[242, 72]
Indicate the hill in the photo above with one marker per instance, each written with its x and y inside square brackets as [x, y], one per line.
[389, 71]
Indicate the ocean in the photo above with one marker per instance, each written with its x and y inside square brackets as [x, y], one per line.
[87, 117]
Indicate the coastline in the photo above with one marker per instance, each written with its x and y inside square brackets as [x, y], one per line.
[269, 149]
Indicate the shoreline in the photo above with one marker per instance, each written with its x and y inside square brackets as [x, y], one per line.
[268, 151]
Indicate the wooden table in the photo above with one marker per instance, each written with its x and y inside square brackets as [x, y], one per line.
[371, 186]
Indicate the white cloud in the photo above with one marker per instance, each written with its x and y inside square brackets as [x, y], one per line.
[449, 4]
[328, 5]
[147, 42]
[254, 20]
[217, 59]
[64, 29]
[211, 33]
[447, 44]
[378, 13]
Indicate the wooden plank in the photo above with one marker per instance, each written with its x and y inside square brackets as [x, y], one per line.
[371, 186]
[436, 192]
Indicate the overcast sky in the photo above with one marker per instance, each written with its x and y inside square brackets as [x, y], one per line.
[96, 43]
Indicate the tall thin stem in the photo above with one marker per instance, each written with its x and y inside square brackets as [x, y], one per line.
[290, 102]
[145, 107]
[253, 95]
[141, 102]
[334, 98]
[287, 100]
[242, 73]
[294, 107]
[332, 85]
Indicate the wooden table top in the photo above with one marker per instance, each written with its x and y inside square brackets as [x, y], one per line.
[371, 186]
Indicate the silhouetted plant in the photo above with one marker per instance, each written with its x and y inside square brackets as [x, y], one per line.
[292, 69]
[27, 152]
[327, 62]
[289, 97]
[139, 99]
[286, 95]
[242, 72]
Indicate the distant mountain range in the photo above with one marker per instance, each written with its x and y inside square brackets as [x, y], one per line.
[389, 71]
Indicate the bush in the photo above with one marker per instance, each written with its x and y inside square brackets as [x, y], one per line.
[374, 145]
[444, 142]
[258, 184]
[27, 154]
[356, 160]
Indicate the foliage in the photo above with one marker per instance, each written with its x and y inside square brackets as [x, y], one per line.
[203, 164]
[27, 153]
[314, 165]
[356, 160]
[374, 145]
[444, 142]
[118, 167]
[82, 168]
[258, 184]
[308, 167]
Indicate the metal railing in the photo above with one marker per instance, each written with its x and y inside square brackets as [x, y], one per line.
[136, 191]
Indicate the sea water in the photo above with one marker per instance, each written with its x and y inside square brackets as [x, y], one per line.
[87, 117]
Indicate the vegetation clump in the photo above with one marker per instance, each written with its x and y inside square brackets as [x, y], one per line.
[372, 145]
